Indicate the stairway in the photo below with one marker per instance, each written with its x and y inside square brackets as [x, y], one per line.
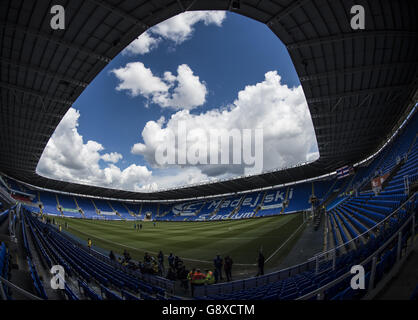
[115, 211]
[78, 207]
[260, 205]
[236, 209]
[216, 209]
[127, 209]
[95, 207]
[59, 208]
[285, 201]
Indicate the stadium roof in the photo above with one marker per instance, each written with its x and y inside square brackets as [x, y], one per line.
[359, 84]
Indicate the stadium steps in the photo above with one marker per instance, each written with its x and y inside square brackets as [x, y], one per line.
[350, 183]
[327, 229]
[355, 223]
[140, 210]
[19, 269]
[165, 213]
[258, 208]
[115, 211]
[336, 240]
[237, 208]
[78, 207]
[42, 267]
[343, 233]
[329, 194]
[362, 218]
[59, 208]
[127, 209]
[369, 213]
[200, 209]
[313, 188]
[167, 210]
[214, 212]
[348, 229]
[286, 201]
[95, 207]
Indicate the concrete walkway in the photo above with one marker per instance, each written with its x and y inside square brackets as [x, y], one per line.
[404, 283]
[309, 243]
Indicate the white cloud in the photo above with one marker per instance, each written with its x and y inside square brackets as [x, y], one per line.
[174, 178]
[139, 80]
[142, 45]
[281, 111]
[113, 157]
[181, 27]
[184, 91]
[69, 158]
[312, 156]
[176, 29]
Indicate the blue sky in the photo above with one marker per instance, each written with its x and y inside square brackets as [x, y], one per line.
[221, 54]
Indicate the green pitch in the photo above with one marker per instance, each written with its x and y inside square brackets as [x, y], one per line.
[196, 243]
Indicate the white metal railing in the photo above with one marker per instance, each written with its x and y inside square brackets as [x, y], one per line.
[330, 252]
[310, 264]
[319, 293]
[18, 289]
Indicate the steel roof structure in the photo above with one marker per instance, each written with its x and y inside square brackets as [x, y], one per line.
[359, 84]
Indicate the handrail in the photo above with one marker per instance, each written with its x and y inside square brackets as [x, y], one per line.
[289, 270]
[366, 232]
[364, 262]
[20, 290]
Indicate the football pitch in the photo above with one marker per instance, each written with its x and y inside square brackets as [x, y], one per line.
[197, 243]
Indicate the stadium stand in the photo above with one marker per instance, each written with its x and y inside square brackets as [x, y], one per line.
[360, 225]
[149, 210]
[68, 206]
[133, 208]
[249, 206]
[273, 202]
[86, 267]
[358, 86]
[121, 209]
[365, 228]
[49, 202]
[88, 208]
[227, 207]
[210, 206]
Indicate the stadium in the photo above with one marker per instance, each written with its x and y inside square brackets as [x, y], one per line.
[289, 234]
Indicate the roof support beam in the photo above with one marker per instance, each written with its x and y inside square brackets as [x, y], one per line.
[350, 36]
[357, 93]
[352, 70]
[285, 12]
[41, 95]
[56, 40]
[120, 13]
[338, 125]
[47, 73]
[182, 8]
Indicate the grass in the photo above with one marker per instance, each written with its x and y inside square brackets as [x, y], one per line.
[196, 243]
